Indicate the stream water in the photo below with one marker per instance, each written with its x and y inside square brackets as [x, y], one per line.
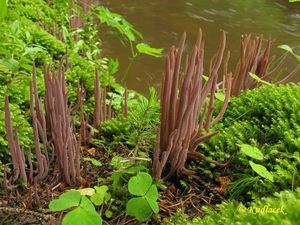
[163, 21]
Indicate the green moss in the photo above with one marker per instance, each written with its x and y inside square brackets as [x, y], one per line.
[54, 47]
[34, 10]
[268, 118]
[233, 212]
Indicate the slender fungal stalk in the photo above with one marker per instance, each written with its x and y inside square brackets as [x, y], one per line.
[187, 105]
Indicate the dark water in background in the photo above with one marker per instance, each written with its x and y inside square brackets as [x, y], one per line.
[163, 21]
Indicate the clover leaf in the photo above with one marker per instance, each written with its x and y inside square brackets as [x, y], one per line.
[151, 197]
[84, 212]
[82, 216]
[66, 200]
[101, 195]
[87, 191]
[141, 207]
[140, 184]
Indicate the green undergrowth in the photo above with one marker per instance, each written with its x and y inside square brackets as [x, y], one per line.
[267, 118]
[283, 208]
[26, 39]
[137, 131]
[42, 12]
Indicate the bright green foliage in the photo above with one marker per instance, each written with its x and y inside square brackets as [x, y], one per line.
[148, 50]
[82, 216]
[255, 153]
[3, 9]
[124, 171]
[83, 210]
[24, 40]
[287, 203]
[140, 184]
[66, 200]
[141, 207]
[34, 10]
[262, 171]
[138, 130]
[42, 38]
[290, 50]
[18, 50]
[251, 151]
[86, 191]
[95, 162]
[100, 196]
[116, 21]
[267, 118]
[258, 79]
[62, 9]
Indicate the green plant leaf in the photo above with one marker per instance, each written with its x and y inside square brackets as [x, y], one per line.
[148, 50]
[95, 162]
[12, 64]
[66, 33]
[289, 50]
[81, 216]
[152, 193]
[251, 151]
[151, 197]
[3, 9]
[66, 200]
[258, 79]
[79, 45]
[102, 189]
[15, 28]
[294, 0]
[87, 191]
[118, 22]
[97, 199]
[261, 170]
[296, 156]
[140, 184]
[30, 50]
[220, 96]
[108, 214]
[138, 208]
[4, 68]
[100, 195]
[87, 204]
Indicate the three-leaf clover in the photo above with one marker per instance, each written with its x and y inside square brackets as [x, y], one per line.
[101, 195]
[83, 213]
[142, 206]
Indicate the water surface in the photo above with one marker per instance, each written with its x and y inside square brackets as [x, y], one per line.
[163, 21]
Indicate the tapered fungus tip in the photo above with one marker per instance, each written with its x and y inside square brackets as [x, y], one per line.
[97, 73]
[183, 37]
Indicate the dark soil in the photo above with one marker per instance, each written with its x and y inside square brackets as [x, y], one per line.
[22, 206]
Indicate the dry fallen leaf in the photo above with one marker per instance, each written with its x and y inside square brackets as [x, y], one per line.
[90, 151]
